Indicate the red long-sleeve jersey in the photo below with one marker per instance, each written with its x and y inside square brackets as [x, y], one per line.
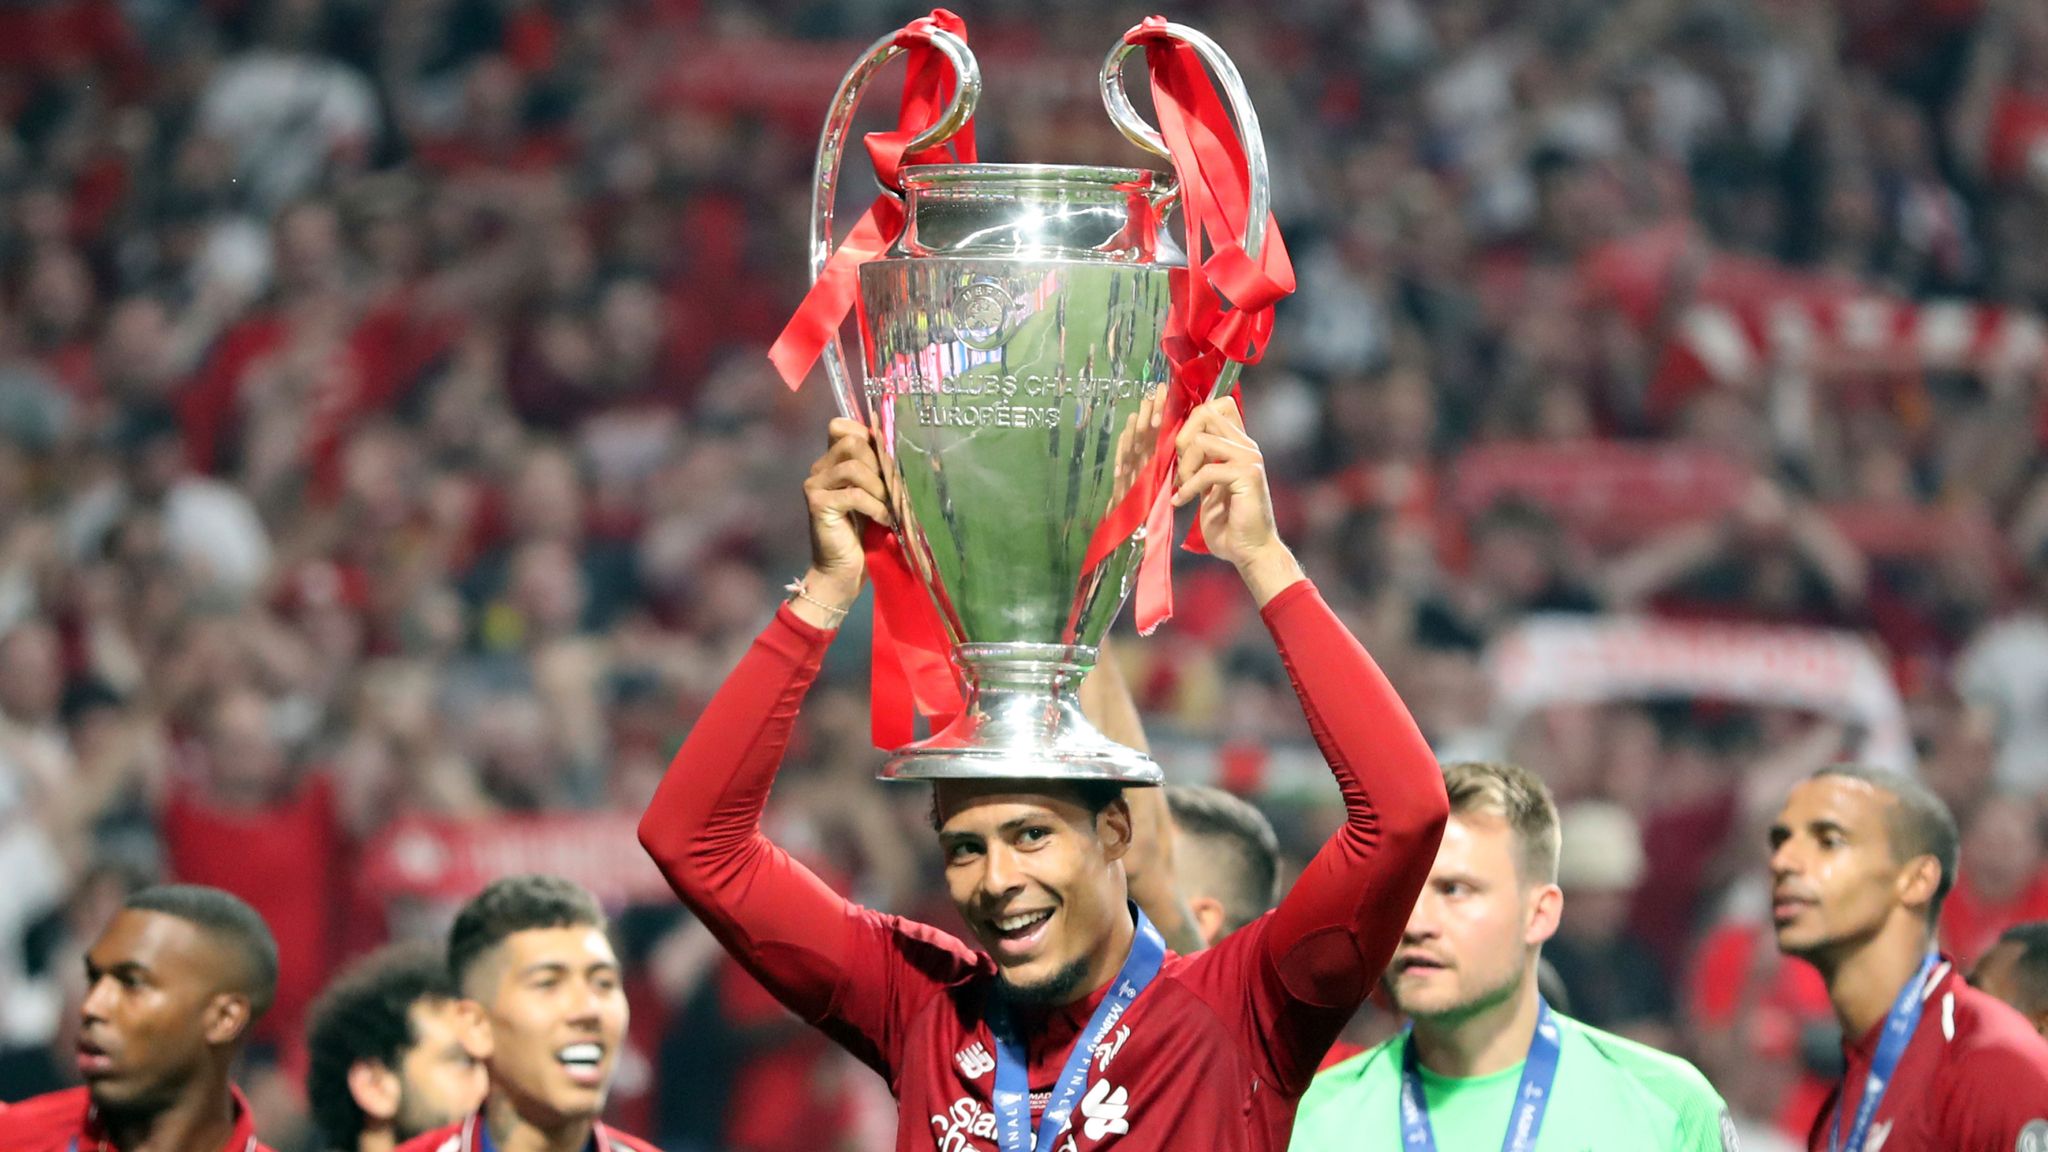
[1974, 1078]
[66, 1121]
[1213, 1055]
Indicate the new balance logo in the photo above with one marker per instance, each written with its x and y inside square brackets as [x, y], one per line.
[974, 1061]
[1105, 1108]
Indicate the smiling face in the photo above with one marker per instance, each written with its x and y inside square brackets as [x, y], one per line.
[1836, 877]
[1471, 939]
[557, 1017]
[1033, 873]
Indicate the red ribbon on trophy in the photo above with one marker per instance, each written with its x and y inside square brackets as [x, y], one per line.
[1222, 304]
[912, 667]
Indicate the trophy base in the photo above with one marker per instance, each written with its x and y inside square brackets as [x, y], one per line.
[1022, 721]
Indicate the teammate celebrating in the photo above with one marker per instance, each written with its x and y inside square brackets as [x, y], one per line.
[1077, 1025]
[531, 953]
[393, 1052]
[1488, 1063]
[1860, 862]
[173, 986]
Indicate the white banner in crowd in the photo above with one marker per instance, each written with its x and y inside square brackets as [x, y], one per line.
[1552, 660]
[449, 860]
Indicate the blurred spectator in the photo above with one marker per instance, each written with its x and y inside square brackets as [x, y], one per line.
[2015, 970]
[35, 766]
[209, 526]
[248, 823]
[2003, 880]
[2006, 667]
[1613, 981]
[290, 115]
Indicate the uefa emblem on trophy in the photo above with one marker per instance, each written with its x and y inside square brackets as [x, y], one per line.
[1030, 336]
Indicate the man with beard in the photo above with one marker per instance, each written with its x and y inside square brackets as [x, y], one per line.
[530, 955]
[393, 1051]
[1077, 1024]
[1487, 1062]
[2016, 971]
[173, 986]
[1861, 860]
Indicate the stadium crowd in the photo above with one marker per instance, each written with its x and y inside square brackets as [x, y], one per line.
[386, 442]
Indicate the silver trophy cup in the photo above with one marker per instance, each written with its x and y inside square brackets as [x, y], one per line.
[1012, 359]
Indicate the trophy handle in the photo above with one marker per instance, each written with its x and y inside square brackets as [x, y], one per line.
[1138, 132]
[832, 148]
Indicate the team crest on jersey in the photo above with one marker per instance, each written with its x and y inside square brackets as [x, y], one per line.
[974, 1061]
[1109, 1047]
[2033, 1138]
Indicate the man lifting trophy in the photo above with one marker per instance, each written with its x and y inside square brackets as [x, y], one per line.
[1046, 378]
[1014, 339]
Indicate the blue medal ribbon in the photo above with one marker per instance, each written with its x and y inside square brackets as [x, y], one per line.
[1898, 1035]
[1013, 1071]
[1532, 1097]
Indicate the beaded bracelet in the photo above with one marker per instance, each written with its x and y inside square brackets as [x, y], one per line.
[797, 591]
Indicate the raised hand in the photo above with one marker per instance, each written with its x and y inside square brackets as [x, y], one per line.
[1222, 468]
[844, 491]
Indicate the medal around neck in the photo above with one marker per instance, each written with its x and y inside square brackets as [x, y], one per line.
[1015, 335]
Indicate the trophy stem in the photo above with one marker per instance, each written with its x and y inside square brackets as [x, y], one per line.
[1022, 721]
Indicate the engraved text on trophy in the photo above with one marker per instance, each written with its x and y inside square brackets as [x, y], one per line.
[1001, 400]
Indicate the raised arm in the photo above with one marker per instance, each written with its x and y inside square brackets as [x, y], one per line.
[1106, 701]
[854, 972]
[1320, 951]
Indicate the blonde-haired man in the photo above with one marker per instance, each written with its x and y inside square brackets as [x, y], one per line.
[1487, 1064]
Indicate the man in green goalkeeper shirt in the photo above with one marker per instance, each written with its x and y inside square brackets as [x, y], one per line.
[1487, 1064]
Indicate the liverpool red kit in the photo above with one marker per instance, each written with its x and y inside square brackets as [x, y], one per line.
[1974, 1078]
[1214, 1054]
[67, 1122]
[470, 1135]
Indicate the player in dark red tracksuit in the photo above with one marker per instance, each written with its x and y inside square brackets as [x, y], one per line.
[1860, 862]
[530, 956]
[1213, 1053]
[173, 986]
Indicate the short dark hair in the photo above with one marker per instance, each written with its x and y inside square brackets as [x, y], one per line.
[228, 921]
[516, 904]
[1918, 823]
[1094, 795]
[366, 1014]
[2029, 965]
[1239, 837]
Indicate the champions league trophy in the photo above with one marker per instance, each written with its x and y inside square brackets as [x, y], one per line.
[1011, 338]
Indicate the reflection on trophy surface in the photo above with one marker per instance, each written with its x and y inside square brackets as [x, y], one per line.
[1014, 375]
